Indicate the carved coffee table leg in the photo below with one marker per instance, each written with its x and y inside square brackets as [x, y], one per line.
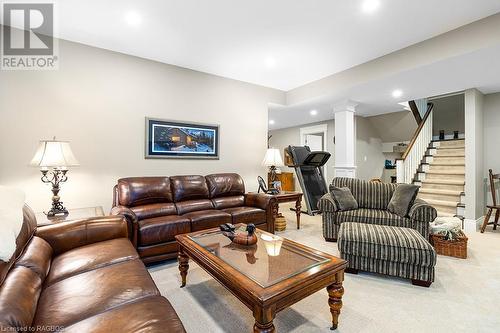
[335, 292]
[298, 209]
[183, 265]
[264, 321]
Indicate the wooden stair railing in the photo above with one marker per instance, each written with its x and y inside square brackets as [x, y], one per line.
[407, 165]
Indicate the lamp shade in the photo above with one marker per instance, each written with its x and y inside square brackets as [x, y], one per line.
[273, 158]
[54, 154]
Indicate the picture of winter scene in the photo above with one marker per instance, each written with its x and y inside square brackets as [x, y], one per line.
[172, 139]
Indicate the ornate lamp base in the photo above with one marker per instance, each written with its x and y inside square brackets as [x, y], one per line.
[56, 177]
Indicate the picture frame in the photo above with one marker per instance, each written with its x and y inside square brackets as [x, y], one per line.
[181, 139]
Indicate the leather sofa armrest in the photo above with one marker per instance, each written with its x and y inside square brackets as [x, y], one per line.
[423, 212]
[259, 200]
[327, 204]
[132, 221]
[66, 236]
[266, 202]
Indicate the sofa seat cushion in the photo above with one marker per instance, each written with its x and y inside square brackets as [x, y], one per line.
[394, 244]
[247, 215]
[90, 257]
[372, 216]
[151, 314]
[162, 229]
[87, 294]
[205, 219]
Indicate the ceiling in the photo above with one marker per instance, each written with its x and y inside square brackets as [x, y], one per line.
[280, 43]
[476, 69]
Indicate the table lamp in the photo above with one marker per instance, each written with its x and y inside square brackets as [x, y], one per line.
[53, 158]
[273, 160]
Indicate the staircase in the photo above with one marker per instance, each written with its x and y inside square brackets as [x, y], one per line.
[441, 176]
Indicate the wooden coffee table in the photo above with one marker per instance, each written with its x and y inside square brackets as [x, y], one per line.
[268, 276]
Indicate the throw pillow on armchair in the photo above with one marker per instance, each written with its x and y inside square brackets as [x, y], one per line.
[402, 199]
[343, 198]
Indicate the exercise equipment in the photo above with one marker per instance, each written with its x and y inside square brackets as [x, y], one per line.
[308, 167]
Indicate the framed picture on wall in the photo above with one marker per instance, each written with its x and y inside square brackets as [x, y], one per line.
[176, 139]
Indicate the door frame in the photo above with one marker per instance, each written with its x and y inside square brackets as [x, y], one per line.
[322, 128]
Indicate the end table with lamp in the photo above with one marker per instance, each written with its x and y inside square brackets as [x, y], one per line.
[273, 159]
[54, 157]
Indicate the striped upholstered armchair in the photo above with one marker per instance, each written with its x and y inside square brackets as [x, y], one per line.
[372, 198]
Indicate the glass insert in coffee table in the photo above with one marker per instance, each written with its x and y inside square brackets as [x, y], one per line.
[268, 262]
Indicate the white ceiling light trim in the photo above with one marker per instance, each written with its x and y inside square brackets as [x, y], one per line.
[133, 18]
[370, 6]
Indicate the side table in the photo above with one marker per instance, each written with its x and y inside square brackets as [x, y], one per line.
[286, 196]
[74, 214]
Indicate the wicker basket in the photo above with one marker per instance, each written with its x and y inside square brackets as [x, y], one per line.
[455, 248]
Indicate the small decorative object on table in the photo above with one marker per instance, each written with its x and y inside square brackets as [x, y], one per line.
[272, 160]
[447, 238]
[54, 157]
[239, 238]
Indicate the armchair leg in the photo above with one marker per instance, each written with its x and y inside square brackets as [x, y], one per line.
[497, 214]
[486, 220]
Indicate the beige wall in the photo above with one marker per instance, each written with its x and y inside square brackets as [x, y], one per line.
[491, 138]
[369, 156]
[395, 126]
[449, 115]
[99, 99]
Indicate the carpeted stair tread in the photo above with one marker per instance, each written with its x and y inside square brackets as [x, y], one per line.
[443, 182]
[435, 202]
[437, 191]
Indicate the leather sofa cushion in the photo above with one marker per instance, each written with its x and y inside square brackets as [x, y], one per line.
[228, 202]
[206, 219]
[135, 191]
[151, 314]
[90, 257]
[225, 184]
[158, 249]
[154, 210]
[247, 215]
[193, 205]
[19, 295]
[189, 188]
[162, 229]
[37, 257]
[88, 294]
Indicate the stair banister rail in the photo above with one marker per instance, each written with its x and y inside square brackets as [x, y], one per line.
[408, 164]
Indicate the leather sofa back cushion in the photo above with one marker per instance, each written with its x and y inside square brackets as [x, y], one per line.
[136, 191]
[154, 210]
[189, 188]
[19, 295]
[229, 202]
[185, 207]
[225, 184]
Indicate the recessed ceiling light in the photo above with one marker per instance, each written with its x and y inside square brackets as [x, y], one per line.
[270, 62]
[313, 112]
[397, 93]
[271, 122]
[133, 18]
[369, 6]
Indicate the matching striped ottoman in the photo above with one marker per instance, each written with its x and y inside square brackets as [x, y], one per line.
[396, 251]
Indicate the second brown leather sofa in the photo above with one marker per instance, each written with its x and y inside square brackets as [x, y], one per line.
[80, 276]
[159, 208]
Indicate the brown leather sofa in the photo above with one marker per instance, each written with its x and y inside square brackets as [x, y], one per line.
[80, 276]
[159, 208]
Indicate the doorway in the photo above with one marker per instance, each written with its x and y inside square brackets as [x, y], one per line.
[315, 137]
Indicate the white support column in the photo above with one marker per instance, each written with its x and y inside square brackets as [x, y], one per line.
[345, 140]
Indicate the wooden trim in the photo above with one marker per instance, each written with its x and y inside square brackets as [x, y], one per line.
[416, 113]
[419, 129]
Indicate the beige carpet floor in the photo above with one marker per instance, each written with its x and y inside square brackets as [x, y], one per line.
[464, 298]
